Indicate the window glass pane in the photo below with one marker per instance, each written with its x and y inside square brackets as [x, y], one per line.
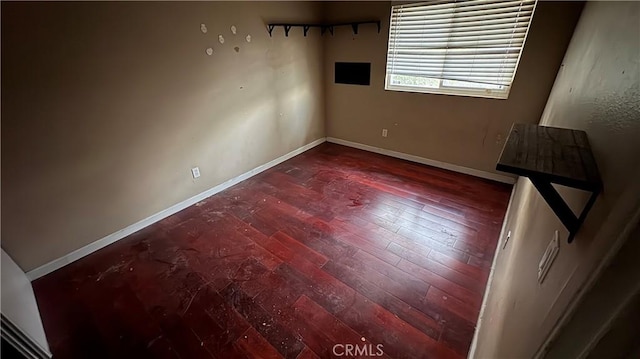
[470, 85]
[414, 81]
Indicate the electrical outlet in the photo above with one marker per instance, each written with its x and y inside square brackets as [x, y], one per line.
[548, 257]
[506, 239]
[195, 172]
[384, 132]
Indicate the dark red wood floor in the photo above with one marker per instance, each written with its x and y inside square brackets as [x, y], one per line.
[335, 246]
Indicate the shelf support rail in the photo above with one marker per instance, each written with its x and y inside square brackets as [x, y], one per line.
[323, 27]
[560, 207]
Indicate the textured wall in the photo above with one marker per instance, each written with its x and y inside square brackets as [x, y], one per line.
[465, 131]
[596, 90]
[607, 321]
[107, 106]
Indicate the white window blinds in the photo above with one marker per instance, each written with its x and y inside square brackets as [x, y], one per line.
[467, 47]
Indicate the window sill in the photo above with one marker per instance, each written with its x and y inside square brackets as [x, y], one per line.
[456, 92]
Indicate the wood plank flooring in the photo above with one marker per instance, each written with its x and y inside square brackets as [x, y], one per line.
[335, 246]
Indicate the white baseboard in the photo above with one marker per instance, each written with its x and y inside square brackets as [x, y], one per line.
[111, 238]
[426, 161]
[485, 297]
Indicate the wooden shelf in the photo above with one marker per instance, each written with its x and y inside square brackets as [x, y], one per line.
[549, 155]
[323, 27]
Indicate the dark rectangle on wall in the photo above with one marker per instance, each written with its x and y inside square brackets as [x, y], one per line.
[353, 73]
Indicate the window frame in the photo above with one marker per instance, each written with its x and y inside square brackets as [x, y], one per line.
[450, 90]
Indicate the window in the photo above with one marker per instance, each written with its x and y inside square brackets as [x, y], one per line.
[467, 48]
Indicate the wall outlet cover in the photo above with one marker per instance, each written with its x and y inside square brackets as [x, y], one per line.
[548, 257]
[195, 172]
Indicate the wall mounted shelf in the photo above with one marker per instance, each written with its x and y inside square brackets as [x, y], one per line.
[548, 155]
[323, 27]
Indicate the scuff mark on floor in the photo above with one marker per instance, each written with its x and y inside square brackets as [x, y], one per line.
[113, 269]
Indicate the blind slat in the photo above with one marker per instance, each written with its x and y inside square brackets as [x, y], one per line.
[457, 68]
[451, 57]
[456, 52]
[440, 72]
[460, 19]
[485, 63]
[444, 44]
[427, 15]
[465, 37]
[421, 34]
[450, 25]
[447, 4]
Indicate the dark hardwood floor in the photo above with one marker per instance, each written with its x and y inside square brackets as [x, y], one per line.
[335, 246]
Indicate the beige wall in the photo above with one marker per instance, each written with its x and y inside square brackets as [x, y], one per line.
[597, 90]
[464, 131]
[107, 106]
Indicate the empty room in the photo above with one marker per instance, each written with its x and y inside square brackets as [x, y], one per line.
[331, 179]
